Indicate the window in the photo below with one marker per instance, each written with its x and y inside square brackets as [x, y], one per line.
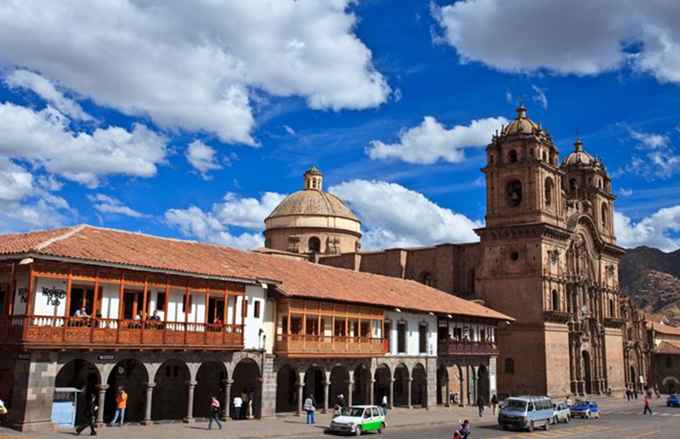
[422, 338]
[314, 244]
[339, 330]
[296, 325]
[401, 337]
[605, 213]
[549, 189]
[572, 184]
[612, 308]
[514, 255]
[513, 193]
[555, 300]
[256, 309]
[545, 156]
[509, 365]
[160, 301]
[388, 335]
[457, 333]
[186, 304]
[512, 156]
[427, 279]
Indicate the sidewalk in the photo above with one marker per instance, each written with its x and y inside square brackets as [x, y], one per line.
[295, 427]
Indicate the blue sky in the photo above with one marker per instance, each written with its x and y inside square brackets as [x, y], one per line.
[195, 121]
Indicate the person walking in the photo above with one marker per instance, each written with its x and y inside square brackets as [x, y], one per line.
[90, 416]
[494, 403]
[310, 409]
[214, 413]
[648, 406]
[3, 409]
[383, 404]
[238, 407]
[121, 405]
[480, 406]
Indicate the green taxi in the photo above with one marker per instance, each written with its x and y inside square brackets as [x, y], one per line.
[359, 419]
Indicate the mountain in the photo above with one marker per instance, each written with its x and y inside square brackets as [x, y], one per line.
[651, 278]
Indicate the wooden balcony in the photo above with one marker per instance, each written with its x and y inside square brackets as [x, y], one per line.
[40, 332]
[328, 346]
[452, 347]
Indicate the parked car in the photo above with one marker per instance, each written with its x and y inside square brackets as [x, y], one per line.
[526, 412]
[673, 400]
[359, 419]
[585, 409]
[561, 413]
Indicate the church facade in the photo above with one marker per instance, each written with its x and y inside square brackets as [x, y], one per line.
[547, 257]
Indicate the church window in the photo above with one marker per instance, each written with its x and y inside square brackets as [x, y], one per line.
[549, 189]
[612, 310]
[545, 156]
[401, 337]
[572, 184]
[512, 156]
[314, 244]
[514, 255]
[509, 365]
[555, 300]
[427, 279]
[605, 212]
[513, 193]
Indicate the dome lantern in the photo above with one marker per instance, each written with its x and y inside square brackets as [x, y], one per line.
[313, 179]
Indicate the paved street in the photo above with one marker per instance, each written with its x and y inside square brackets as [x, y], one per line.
[620, 419]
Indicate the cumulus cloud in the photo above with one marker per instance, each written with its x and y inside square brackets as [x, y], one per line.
[45, 139]
[656, 230]
[585, 38]
[46, 90]
[430, 141]
[395, 216]
[109, 205]
[215, 225]
[202, 157]
[655, 158]
[188, 65]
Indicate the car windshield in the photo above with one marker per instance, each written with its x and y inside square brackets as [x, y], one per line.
[516, 404]
[356, 412]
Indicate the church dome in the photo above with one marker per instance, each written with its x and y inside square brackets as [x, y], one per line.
[521, 125]
[580, 158]
[312, 202]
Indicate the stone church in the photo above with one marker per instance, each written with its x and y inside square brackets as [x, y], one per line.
[547, 257]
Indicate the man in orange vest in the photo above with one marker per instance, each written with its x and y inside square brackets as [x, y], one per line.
[121, 405]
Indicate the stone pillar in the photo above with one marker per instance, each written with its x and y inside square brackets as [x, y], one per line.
[102, 400]
[300, 390]
[149, 399]
[190, 402]
[350, 387]
[447, 400]
[326, 394]
[268, 400]
[392, 384]
[408, 391]
[227, 399]
[371, 391]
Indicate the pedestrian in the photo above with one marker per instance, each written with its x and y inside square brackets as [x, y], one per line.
[214, 413]
[238, 406]
[3, 409]
[90, 416]
[121, 405]
[480, 405]
[635, 393]
[310, 409]
[341, 401]
[627, 394]
[383, 404]
[463, 431]
[648, 408]
[494, 403]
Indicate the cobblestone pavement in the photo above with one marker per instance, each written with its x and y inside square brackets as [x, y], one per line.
[434, 423]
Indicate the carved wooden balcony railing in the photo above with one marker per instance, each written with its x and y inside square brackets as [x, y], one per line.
[79, 332]
[329, 346]
[452, 347]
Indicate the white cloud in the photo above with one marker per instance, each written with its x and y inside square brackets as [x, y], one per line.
[625, 192]
[202, 158]
[395, 216]
[44, 138]
[540, 96]
[15, 182]
[583, 38]
[106, 204]
[431, 141]
[654, 231]
[289, 130]
[658, 160]
[194, 65]
[508, 97]
[46, 90]
[650, 140]
[234, 211]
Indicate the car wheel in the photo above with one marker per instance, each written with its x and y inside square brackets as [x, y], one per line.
[531, 426]
[547, 425]
[566, 420]
[358, 431]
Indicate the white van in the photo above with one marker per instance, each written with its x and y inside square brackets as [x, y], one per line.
[526, 412]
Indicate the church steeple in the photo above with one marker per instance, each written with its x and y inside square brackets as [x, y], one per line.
[313, 179]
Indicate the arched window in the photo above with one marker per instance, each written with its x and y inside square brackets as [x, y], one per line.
[509, 365]
[545, 156]
[605, 214]
[314, 245]
[427, 279]
[512, 156]
[549, 189]
[572, 184]
[513, 193]
[611, 308]
[555, 300]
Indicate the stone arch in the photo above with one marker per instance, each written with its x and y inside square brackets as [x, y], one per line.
[549, 190]
[80, 374]
[362, 385]
[286, 391]
[513, 157]
[670, 385]
[339, 384]
[314, 244]
[402, 378]
[383, 383]
[211, 378]
[442, 385]
[555, 300]
[419, 385]
[587, 372]
[132, 376]
[247, 383]
[170, 394]
[315, 378]
[483, 384]
[513, 192]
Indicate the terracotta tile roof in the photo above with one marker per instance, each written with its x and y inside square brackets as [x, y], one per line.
[294, 278]
[663, 329]
[667, 348]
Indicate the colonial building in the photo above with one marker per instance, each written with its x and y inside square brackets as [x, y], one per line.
[665, 343]
[547, 256]
[637, 353]
[174, 322]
